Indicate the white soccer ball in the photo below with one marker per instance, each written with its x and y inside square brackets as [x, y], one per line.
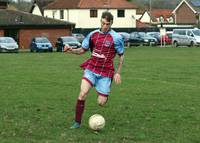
[96, 122]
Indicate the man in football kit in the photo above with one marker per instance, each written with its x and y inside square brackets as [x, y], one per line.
[104, 44]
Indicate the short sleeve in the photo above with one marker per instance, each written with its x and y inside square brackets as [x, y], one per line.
[86, 41]
[118, 42]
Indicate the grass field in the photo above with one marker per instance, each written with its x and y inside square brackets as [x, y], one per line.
[157, 102]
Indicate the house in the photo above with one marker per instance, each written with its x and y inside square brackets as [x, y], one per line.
[157, 16]
[4, 4]
[23, 26]
[187, 12]
[87, 13]
[38, 5]
[140, 24]
[36, 9]
[139, 13]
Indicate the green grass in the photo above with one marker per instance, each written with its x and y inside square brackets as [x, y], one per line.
[157, 102]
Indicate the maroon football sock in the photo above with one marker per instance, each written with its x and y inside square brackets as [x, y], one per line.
[79, 110]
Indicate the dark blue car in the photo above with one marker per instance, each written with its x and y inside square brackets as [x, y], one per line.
[41, 44]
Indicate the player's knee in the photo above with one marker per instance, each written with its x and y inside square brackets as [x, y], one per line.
[101, 102]
[82, 95]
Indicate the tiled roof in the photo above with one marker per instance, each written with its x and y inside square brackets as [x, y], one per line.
[165, 13]
[14, 18]
[59, 4]
[83, 4]
[140, 24]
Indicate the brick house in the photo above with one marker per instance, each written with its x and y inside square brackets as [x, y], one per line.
[23, 26]
[3, 4]
[187, 12]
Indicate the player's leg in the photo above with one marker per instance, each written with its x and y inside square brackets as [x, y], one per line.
[103, 89]
[101, 100]
[86, 85]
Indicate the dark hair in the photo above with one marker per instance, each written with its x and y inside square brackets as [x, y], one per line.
[108, 16]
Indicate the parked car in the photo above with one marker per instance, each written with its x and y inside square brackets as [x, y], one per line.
[67, 40]
[40, 44]
[141, 38]
[186, 37]
[80, 37]
[155, 35]
[167, 38]
[8, 44]
[126, 37]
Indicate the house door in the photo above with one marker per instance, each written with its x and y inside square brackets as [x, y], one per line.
[14, 33]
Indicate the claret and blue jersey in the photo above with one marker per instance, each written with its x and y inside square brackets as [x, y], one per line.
[104, 47]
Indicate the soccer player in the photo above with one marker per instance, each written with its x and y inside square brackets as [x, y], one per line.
[104, 44]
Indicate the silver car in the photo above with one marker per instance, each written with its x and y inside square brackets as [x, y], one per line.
[8, 44]
[186, 37]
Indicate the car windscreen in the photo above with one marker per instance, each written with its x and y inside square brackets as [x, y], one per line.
[144, 35]
[41, 40]
[196, 32]
[6, 40]
[78, 35]
[69, 39]
[169, 35]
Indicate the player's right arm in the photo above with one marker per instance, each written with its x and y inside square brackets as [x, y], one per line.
[83, 49]
[78, 51]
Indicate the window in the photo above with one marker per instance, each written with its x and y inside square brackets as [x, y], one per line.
[171, 20]
[189, 33]
[93, 13]
[180, 32]
[61, 14]
[53, 13]
[161, 19]
[120, 13]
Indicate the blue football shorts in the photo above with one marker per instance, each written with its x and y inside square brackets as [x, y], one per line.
[102, 84]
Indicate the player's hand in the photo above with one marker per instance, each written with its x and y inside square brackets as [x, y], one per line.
[67, 48]
[117, 78]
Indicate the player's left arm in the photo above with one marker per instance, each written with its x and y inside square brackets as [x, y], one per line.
[78, 51]
[119, 47]
[117, 75]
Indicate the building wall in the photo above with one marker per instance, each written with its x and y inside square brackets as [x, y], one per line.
[81, 17]
[185, 15]
[145, 18]
[26, 35]
[1, 32]
[36, 11]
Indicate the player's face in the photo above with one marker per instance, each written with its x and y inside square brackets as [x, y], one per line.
[105, 25]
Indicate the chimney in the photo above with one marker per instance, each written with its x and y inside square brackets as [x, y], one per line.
[4, 4]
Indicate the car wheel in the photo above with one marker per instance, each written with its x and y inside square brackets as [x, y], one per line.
[175, 44]
[191, 44]
[51, 50]
[16, 51]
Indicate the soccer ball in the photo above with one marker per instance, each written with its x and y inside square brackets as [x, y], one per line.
[96, 122]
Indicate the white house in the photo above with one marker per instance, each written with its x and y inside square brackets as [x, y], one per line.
[87, 13]
[36, 9]
[157, 16]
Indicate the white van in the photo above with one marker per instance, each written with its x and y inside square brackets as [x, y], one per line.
[186, 37]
